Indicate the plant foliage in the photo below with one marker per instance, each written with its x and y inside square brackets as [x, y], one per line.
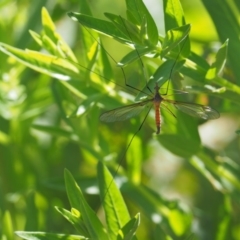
[50, 121]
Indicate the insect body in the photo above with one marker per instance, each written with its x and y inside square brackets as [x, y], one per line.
[126, 112]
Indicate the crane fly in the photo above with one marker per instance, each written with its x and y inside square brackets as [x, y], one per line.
[129, 111]
[156, 100]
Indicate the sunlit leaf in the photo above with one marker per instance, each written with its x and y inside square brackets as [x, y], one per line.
[76, 198]
[174, 16]
[129, 230]
[126, 27]
[115, 209]
[137, 10]
[101, 26]
[174, 37]
[133, 56]
[227, 26]
[47, 236]
[75, 220]
[218, 65]
[47, 64]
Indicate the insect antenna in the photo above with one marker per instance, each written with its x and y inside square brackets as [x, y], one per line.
[134, 88]
[139, 58]
[143, 67]
[109, 55]
[130, 86]
[174, 65]
[126, 84]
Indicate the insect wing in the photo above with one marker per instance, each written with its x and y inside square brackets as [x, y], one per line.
[195, 110]
[126, 112]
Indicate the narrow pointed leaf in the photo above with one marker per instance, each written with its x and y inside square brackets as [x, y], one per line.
[36, 37]
[101, 26]
[53, 41]
[174, 16]
[174, 37]
[76, 198]
[115, 209]
[160, 76]
[86, 105]
[126, 27]
[48, 236]
[218, 65]
[75, 220]
[139, 10]
[129, 230]
[47, 64]
[134, 56]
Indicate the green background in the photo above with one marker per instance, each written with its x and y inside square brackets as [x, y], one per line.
[37, 141]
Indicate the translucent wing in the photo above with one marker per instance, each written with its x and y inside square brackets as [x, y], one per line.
[126, 112]
[195, 110]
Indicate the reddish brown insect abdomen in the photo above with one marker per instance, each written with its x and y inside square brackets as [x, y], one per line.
[157, 116]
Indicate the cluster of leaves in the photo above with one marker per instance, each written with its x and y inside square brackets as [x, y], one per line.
[83, 218]
[80, 90]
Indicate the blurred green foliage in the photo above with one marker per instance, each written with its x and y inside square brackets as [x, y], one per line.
[50, 107]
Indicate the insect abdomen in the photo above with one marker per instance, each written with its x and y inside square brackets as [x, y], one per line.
[157, 117]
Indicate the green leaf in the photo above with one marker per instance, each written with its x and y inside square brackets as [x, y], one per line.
[101, 26]
[155, 206]
[51, 40]
[115, 209]
[185, 125]
[77, 201]
[129, 230]
[47, 64]
[75, 219]
[195, 67]
[174, 37]
[133, 56]
[214, 172]
[92, 57]
[49, 45]
[224, 218]
[47, 236]
[7, 227]
[36, 37]
[86, 105]
[134, 159]
[163, 73]
[84, 8]
[126, 27]
[183, 221]
[227, 25]
[221, 58]
[107, 68]
[56, 131]
[180, 145]
[228, 85]
[174, 16]
[47, 22]
[137, 10]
